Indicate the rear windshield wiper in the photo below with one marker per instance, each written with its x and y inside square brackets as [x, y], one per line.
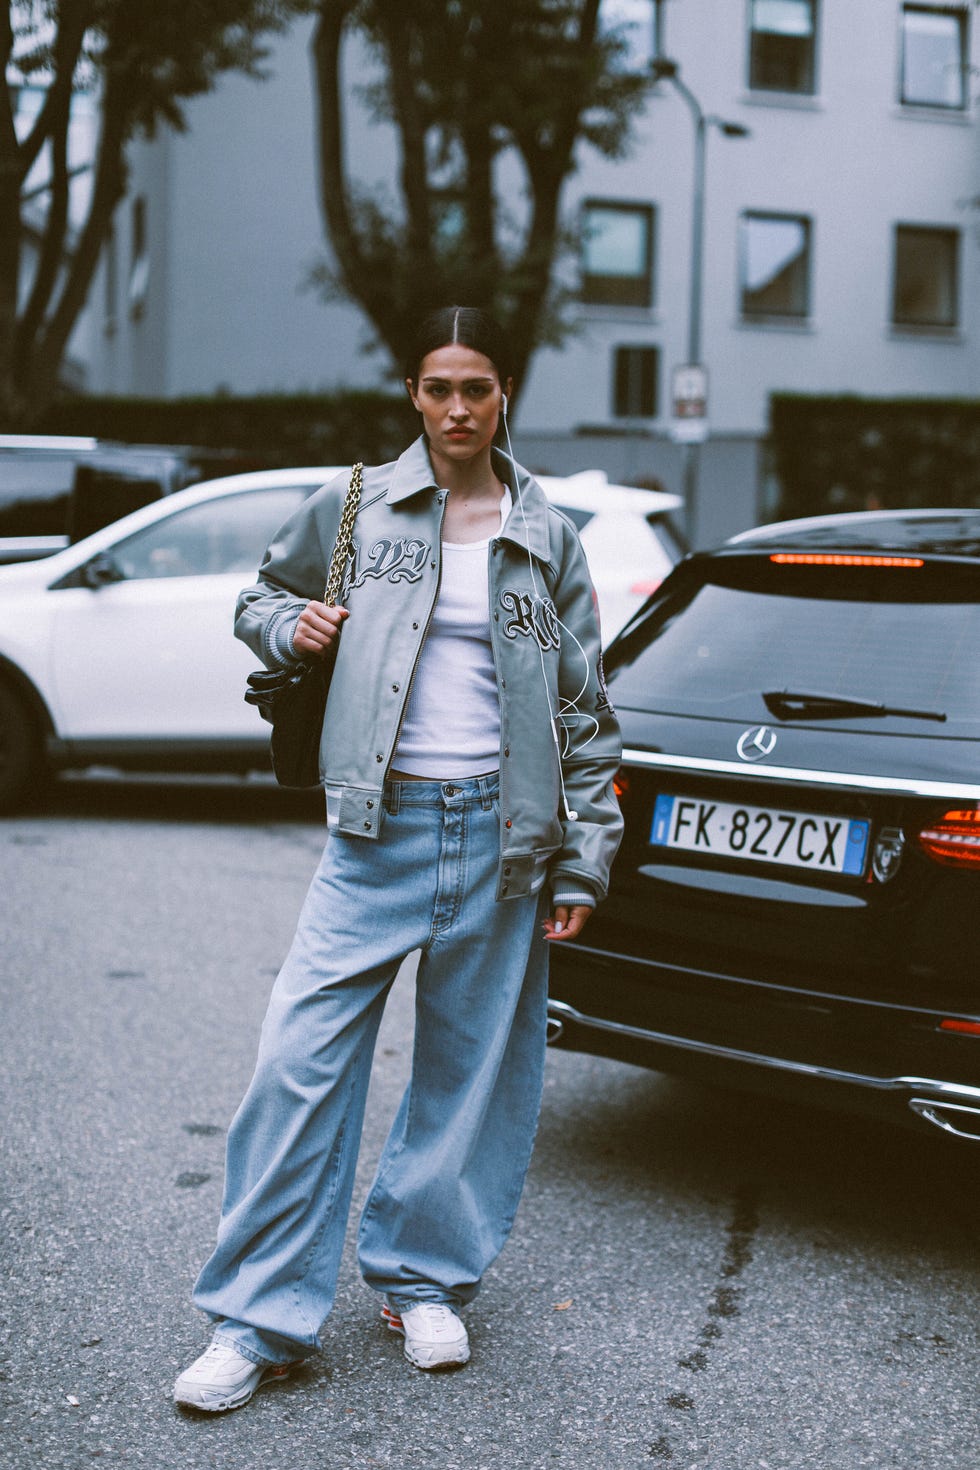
[786, 704]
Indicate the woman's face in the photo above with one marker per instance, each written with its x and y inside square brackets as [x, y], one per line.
[458, 394]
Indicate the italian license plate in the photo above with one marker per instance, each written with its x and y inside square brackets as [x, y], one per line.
[761, 834]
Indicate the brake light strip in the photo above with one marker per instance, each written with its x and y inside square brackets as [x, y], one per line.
[842, 559]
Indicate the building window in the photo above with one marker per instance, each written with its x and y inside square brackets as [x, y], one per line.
[935, 47]
[636, 382]
[617, 253]
[139, 269]
[782, 45]
[775, 266]
[926, 290]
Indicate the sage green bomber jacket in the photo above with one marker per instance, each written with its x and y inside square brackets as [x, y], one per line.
[546, 649]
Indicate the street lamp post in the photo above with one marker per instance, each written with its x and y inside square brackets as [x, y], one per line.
[664, 70]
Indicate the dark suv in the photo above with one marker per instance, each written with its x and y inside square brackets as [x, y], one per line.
[794, 906]
[55, 489]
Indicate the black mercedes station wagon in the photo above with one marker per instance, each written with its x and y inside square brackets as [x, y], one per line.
[796, 904]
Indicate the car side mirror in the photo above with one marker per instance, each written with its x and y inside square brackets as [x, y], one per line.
[101, 571]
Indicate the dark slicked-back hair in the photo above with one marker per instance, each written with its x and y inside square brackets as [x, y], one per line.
[467, 325]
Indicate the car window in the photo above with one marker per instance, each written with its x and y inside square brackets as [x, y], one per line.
[35, 494]
[714, 648]
[220, 536]
[667, 535]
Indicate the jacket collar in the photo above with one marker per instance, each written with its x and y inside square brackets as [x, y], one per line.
[527, 524]
[412, 473]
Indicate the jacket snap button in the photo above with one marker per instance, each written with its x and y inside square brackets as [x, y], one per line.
[369, 805]
[367, 826]
[415, 626]
[507, 872]
[508, 823]
[506, 750]
[394, 688]
[379, 758]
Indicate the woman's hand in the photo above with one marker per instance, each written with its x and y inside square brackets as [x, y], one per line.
[317, 628]
[567, 923]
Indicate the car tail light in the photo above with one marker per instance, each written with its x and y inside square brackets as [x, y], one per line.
[621, 784]
[954, 839]
[965, 1028]
[644, 589]
[841, 559]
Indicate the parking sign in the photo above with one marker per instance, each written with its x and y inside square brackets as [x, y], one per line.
[689, 396]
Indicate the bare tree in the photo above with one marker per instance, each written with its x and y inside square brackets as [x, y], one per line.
[139, 62]
[464, 82]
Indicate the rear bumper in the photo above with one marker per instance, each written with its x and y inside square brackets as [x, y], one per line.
[951, 1106]
[854, 1055]
[941, 1103]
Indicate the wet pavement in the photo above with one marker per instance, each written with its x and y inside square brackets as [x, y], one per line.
[696, 1279]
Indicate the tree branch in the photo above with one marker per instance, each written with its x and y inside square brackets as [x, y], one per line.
[52, 253]
[42, 359]
[10, 252]
[413, 172]
[360, 280]
[481, 235]
[74, 21]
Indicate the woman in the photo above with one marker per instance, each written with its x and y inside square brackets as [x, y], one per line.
[467, 753]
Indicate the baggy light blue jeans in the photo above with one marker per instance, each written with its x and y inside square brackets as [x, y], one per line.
[452, 1170]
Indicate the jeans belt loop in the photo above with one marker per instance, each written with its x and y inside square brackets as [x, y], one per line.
[393, 797]
[486, 800]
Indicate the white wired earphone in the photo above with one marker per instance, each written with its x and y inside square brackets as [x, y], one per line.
[568, 712]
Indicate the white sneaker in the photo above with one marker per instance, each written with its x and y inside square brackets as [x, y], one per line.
[435, 1338]
[222, 1378]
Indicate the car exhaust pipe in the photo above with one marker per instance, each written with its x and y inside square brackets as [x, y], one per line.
[954, 1118]
[555, 1030]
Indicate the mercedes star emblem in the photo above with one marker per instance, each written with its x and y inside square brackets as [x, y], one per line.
[755, 744]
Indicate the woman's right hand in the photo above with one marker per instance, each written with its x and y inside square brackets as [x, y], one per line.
[317, 627]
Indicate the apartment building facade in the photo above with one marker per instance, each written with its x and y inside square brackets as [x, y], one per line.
[839, 248]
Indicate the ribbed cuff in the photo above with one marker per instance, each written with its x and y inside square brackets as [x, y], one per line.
[569, 895]
[279, 636]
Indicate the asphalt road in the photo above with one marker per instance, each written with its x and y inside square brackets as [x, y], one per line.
[696, 1280]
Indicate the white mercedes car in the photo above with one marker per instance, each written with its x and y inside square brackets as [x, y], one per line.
[118, 650]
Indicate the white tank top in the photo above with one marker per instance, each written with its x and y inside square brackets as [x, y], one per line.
[452, 723]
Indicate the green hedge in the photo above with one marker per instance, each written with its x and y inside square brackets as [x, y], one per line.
[273, 429]
[849, 453]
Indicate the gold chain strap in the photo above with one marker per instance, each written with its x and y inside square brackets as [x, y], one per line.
[342, 545]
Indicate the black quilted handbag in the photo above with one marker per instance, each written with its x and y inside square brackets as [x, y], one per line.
[293, 699]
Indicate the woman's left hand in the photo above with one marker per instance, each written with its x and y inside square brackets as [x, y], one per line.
[567, 923]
